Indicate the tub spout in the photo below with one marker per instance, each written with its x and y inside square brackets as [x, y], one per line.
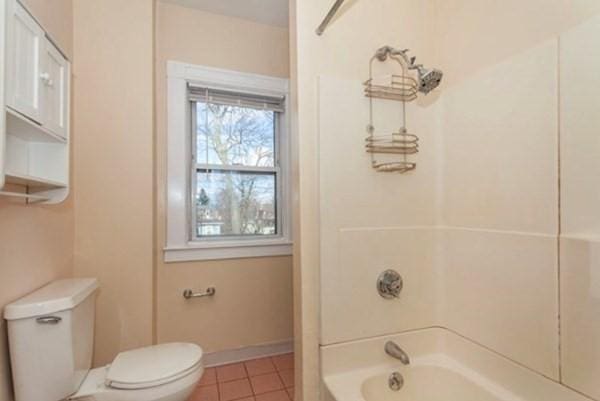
[393, 350]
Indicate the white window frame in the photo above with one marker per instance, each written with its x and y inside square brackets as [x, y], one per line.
[179, 245]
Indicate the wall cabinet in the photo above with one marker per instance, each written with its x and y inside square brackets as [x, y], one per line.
[25, 39]
[54, 78]
[36, 108]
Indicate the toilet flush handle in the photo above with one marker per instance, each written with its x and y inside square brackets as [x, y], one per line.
[49, 320]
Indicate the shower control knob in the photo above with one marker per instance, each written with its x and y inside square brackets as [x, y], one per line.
[389, 284]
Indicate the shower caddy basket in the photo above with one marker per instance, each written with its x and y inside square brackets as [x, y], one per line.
[402, 88]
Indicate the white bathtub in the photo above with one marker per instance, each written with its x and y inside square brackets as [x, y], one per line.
[444, 367]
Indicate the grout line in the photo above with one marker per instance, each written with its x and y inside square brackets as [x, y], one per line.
[378, 337]
[218, 386]
[559, 198]
[251, 386]
[232, 380]
[247, 375]
[501, 355]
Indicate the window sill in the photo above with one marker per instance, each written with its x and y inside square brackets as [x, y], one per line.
[195, 251]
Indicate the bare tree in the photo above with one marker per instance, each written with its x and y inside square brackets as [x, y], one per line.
[230, 135]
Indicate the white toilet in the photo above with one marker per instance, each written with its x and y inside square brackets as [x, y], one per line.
[51, 337]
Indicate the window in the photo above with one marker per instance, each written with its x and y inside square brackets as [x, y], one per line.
[228, 154]
[236, 166]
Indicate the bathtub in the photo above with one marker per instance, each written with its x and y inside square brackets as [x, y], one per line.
[444, 367]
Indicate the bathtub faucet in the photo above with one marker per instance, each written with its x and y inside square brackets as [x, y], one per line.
[393, 350]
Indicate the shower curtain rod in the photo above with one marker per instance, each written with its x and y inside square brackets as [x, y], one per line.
[336, 6]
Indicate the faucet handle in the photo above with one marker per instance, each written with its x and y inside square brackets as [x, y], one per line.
[389, 284]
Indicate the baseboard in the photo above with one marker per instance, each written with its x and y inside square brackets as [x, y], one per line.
[243, 354]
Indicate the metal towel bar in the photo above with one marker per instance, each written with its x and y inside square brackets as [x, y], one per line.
[210, 291]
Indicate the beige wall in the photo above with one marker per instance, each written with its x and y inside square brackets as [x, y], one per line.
[494, 211]
[106, 227]
[36, 242]
[254, 296]
[113, 155]
[197, 37]
[472, 34]
[56, 17]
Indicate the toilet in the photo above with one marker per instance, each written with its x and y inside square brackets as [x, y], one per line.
[51, 340]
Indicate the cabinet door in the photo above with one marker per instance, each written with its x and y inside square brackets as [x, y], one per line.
[2, 91]
[25, 41]
[55, 90]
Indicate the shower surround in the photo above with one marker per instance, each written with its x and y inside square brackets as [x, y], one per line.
[474, 230]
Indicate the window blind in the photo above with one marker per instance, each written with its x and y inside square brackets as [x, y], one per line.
[230, 98]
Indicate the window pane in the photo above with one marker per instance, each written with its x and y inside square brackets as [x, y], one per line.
[235, 203]
[230, 135]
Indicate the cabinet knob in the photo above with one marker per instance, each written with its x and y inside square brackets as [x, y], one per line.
[46, 78]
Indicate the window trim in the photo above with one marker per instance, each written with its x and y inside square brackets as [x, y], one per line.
[179, 247]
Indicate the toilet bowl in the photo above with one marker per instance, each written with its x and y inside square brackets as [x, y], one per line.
[166, 372]
[51, 339]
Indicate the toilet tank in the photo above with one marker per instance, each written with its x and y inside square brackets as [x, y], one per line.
[51, 339]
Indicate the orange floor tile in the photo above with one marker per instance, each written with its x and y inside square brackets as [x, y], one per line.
[264, 379]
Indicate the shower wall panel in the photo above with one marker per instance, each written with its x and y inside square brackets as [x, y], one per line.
[500, 179]
[580, 214]
[371, 221]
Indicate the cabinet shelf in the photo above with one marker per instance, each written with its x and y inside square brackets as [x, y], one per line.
[35, 183]
[28, 197]
[29, 130]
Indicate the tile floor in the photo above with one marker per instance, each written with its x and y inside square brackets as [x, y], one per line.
[265, 379]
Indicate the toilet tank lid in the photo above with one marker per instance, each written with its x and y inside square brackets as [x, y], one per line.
[57, 296]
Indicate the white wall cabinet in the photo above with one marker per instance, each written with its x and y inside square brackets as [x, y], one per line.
[37, 73]
[36, 108]
[54, 79]
[2, 89]
[24, 57]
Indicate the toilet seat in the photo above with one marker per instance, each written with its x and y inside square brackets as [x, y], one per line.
[166, 372]
[152, 366]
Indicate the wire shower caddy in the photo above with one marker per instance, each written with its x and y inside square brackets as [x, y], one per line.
[402, 88]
